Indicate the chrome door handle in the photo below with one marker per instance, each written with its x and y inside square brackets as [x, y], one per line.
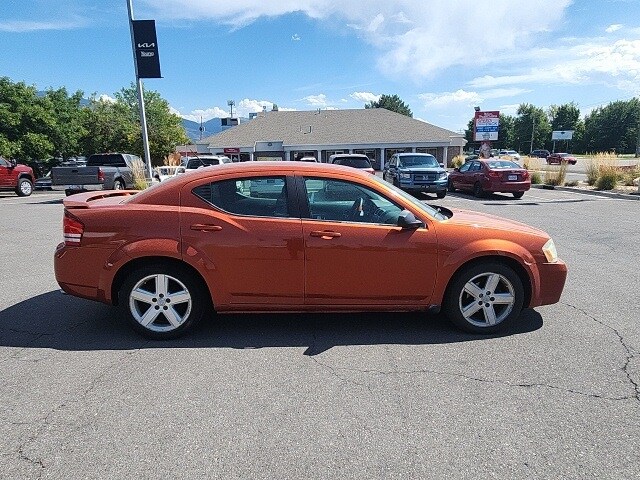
[325, 234]
[204, 227]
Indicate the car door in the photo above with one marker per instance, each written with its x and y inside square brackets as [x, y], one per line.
[458, 177]
[391, 170]
[356, 255]
[247, 231]
[5, 180]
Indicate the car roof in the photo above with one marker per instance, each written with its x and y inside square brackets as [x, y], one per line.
[270, 168]
[404, 154]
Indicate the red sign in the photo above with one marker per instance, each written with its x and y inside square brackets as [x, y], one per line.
[231, 150]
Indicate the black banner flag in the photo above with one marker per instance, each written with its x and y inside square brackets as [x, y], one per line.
[146, 47]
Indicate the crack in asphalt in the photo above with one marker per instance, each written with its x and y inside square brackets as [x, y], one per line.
[629, 354]
[83, 395]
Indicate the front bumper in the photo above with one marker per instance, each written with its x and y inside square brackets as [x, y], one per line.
[432, 187]
[552, 277]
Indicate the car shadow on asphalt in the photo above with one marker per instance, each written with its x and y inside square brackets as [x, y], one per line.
[62, 322]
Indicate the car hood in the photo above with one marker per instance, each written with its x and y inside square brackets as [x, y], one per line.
[484, 220]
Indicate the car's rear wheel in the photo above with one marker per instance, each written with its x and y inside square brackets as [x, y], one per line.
[517, 194]
[24, 187]
[163, 301]
[118, 185]
[450, 186]
[484, 298]
[477, 190]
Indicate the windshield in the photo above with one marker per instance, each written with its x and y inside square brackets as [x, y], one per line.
[418, 161]
[497, 164]
[428, 209]
[355, 162]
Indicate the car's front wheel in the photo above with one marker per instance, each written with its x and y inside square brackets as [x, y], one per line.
[484, 298]
[163, 301]
[118, 185]
[441, 194]
[24, 187]
[450, 186]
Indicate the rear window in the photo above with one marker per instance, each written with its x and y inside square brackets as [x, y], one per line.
[497, 164]
[109, 160]
[354, 162]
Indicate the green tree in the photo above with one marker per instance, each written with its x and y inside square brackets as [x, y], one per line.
[67, 131]
[531, 121]
[567, 117]
[613, 127]
[165, 128]
[393, 103]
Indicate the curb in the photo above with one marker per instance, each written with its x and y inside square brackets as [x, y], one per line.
[597, 193]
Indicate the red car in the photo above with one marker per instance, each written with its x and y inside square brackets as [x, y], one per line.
[17, 177]
[490, 175]
[558, 158]
[330, 238]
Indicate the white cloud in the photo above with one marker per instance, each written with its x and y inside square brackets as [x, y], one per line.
[613, 28]
[204, 114]
[295, 37]
[316, 100]
[365, 97]
[106, 98]
[447, 98]
[415, 39]
[25, 26]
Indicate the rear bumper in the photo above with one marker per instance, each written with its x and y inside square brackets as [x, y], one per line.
[77, 271]
[506, 186]
[78, 188]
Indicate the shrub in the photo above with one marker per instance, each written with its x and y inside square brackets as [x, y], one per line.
[608, 179]
[536, 178]
[555, 175]
[572, 183]
[595, 165]
[630, 175]
[457, 161]
[138, 173]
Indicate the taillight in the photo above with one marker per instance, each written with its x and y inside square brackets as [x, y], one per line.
[494, 174]
[72, 229]
[100, 175]
[525, 174]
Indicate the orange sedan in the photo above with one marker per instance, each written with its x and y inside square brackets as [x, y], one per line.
[297, 237]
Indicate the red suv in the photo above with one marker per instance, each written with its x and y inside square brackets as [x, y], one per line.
[16, 177]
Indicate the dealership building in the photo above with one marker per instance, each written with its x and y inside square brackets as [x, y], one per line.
[375, 132]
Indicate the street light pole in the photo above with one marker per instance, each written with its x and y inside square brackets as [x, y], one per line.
[533, 129]
[143, 115]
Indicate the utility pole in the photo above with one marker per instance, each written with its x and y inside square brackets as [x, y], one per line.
[533, 129]
[143, 115]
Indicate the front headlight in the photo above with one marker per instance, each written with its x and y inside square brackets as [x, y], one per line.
[442, 175]
[406, 176]
[549, 250]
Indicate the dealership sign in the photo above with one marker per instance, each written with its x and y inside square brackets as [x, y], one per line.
[562, 135]
[146, 48]
[486, 126]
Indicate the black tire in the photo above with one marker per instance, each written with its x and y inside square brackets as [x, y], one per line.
[508, 287]
[24, 188]
[118, 185]
[190, 296]
[450, 186]
[517, 194]
[441, 194]
[477, 190]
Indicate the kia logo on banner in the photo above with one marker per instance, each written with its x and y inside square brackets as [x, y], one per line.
[146, 45]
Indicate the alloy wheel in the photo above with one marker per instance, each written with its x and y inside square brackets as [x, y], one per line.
[487, 299]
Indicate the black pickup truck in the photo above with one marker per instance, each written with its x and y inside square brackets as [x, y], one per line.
[103, 171]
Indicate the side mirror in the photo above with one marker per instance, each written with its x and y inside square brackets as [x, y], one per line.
[441, 165]
[12, 162]
[408, 221]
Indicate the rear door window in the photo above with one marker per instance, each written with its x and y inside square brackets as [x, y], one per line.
[254, 196]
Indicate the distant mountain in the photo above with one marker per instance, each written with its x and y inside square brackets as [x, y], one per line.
[211, 127]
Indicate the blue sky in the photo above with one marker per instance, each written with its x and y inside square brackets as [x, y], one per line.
[442, 57]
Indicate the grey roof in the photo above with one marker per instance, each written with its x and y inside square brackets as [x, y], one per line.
[331, 127]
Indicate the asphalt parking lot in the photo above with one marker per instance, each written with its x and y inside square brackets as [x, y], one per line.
[328, 396]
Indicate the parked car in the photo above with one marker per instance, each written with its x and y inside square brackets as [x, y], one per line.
[167, 254]
[540, 153]
[489, 176]
[166, 172]
[353, 160]
[103, 171]
[306, 159]
[43, 183]
[558, 158]
[416, 172]
[16, 177]
[510, 153]
[193, 163]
